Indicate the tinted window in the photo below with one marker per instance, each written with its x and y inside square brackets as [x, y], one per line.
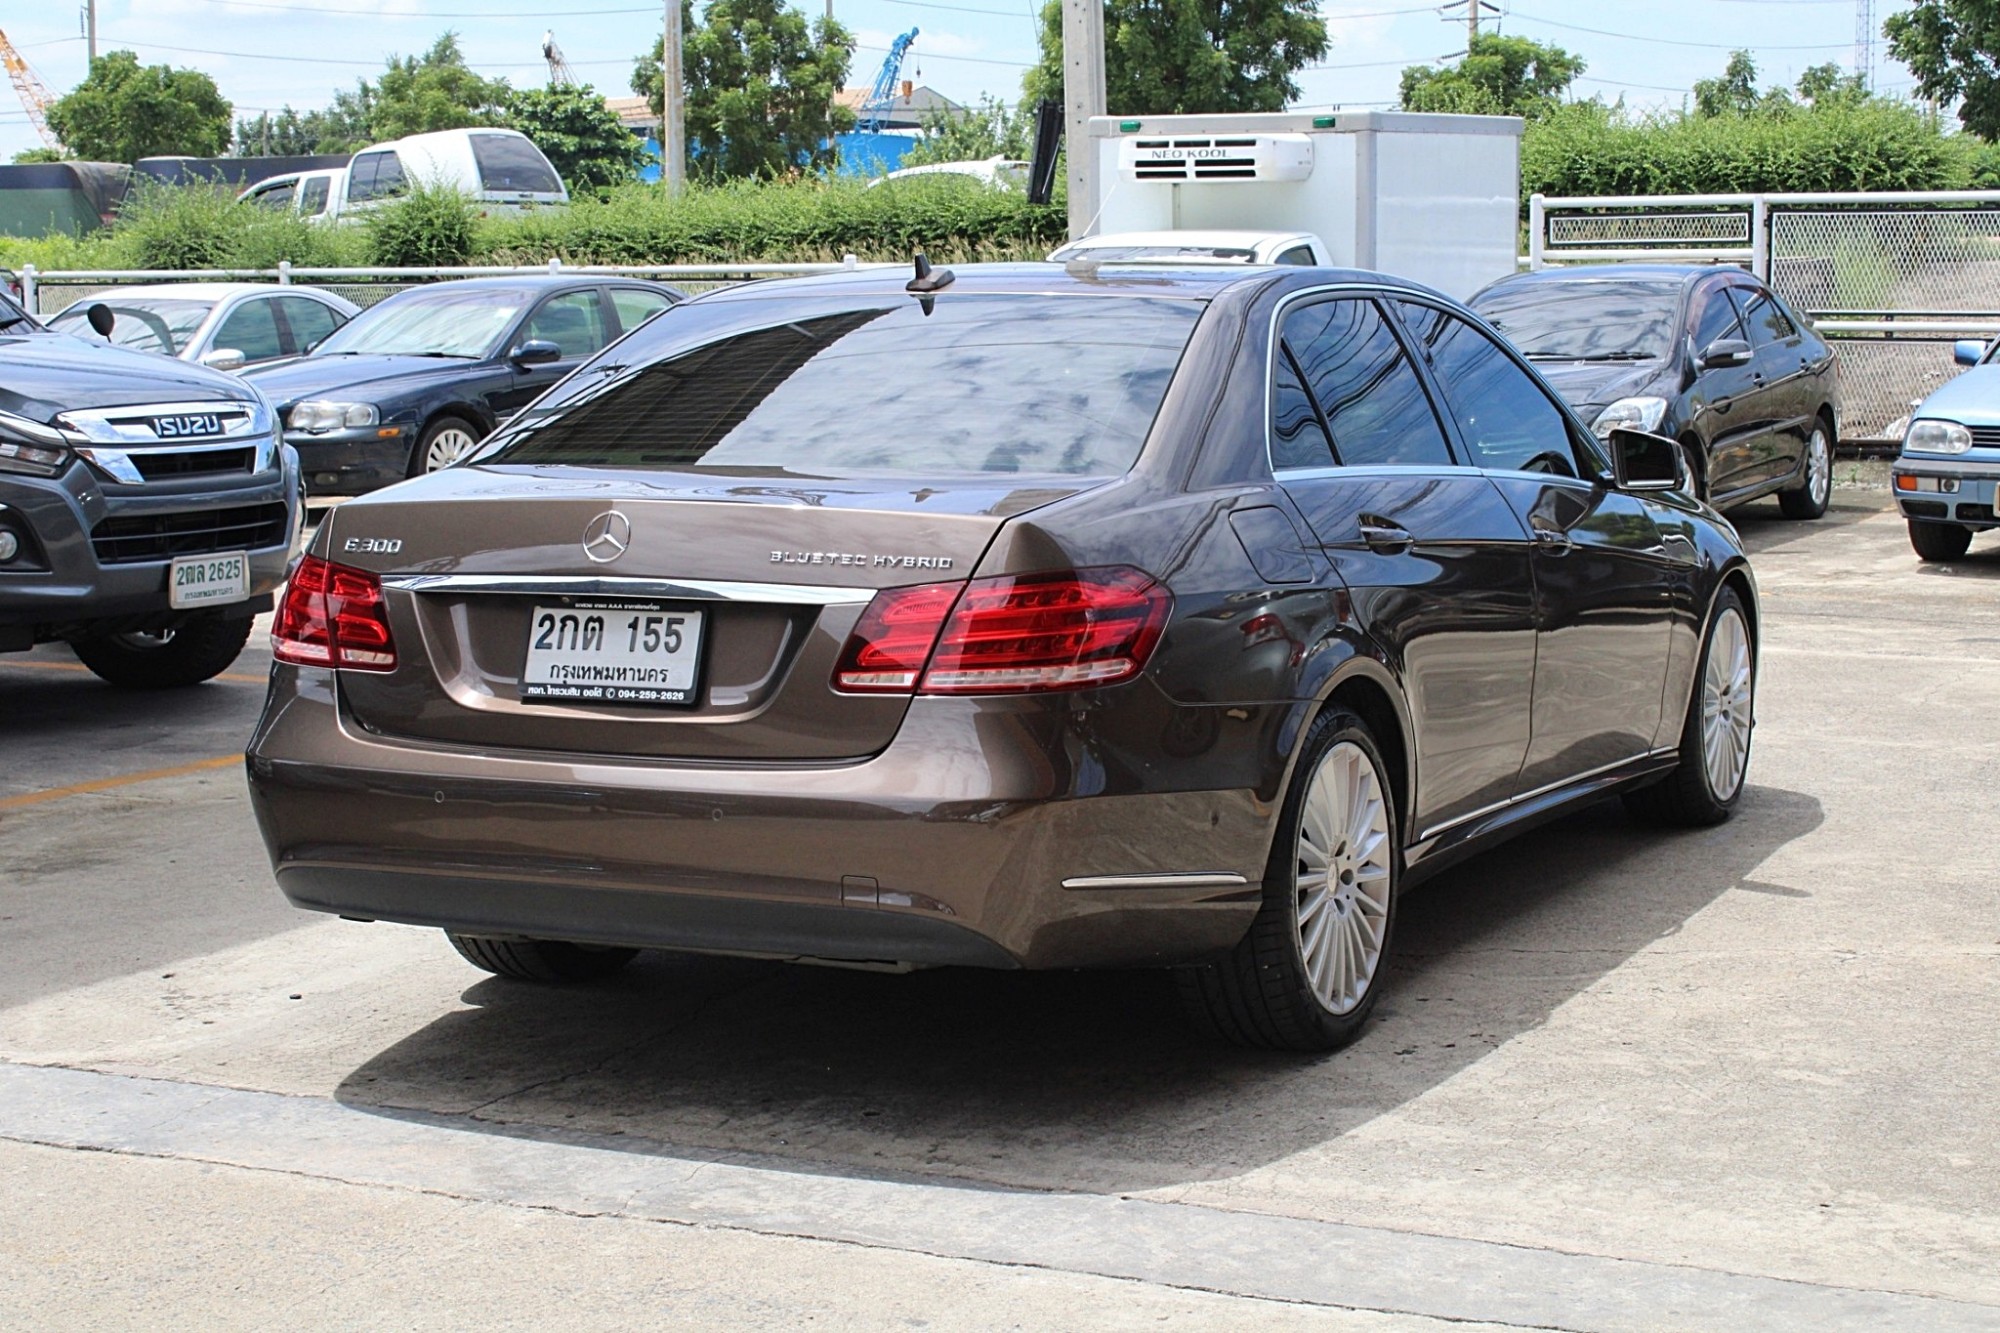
[312, 196]
[1367, 391]
[311, 322]
[1584, 319]
[636, 305]
[1715, 317]
[374, 176]
[1298, 254]
[1762, 316]
[573, 322]
[1297, 437]
[278, 198]
[252, 329]
[981, 384]
[1503, 416]
[508, 163]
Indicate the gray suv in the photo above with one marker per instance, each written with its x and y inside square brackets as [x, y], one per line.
[148, 508]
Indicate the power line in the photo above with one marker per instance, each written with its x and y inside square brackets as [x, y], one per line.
[1671, 41]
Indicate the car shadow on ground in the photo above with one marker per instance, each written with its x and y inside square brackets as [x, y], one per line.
[1764, 527]
[1066, 1080]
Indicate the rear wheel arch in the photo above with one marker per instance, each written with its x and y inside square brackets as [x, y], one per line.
[1374, 700]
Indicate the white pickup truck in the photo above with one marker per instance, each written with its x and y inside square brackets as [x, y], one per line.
[501, 171]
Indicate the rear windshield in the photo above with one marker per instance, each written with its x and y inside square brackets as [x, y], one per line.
[979, 385]
[507, 163]
[1589, 319]
[143, 325]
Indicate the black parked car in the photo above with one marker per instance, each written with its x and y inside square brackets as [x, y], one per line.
[148, 508]
[1133, 617]
[1708, 356]
[412, 384]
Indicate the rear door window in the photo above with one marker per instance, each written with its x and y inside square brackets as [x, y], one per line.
[512, 164]
[309, 321]
[636, 305]
[375, 176]
[252, 329]
[313, 195]
[1504, 418]
[277, 198]
[573, 321]
[1366, 393]
[973, 385]
[1298, 254]
[1763, 316]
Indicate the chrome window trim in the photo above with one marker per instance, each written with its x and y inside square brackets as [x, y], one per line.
[705, 590]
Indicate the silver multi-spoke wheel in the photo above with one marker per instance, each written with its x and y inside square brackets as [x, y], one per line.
[1727, 689]
[1819, 467]
[447, 446]
[1342, 878]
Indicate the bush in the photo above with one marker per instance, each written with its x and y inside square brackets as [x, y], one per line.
[431, 226]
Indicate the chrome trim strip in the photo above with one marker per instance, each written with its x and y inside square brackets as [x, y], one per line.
[708, 590]
[1544, 790]
[1213, 879]
[100, 424]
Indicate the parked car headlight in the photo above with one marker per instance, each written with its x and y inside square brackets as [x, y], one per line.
[1630, 414]
[320, 416]
[1927, 436]
[29, 448]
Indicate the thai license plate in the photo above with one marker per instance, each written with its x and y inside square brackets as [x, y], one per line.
[620, 652]
[208, 580]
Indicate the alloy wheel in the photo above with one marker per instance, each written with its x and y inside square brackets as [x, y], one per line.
[447, 447]
[1726, 697]
[1819, 467]
[1342, 879]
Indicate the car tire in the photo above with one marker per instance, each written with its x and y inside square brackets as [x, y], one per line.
[1306, 975]
[1696, 463]
[1815, 491]
[443, 443]
[1706, 784]
[541, 960]
[196, 650]
[1938, 542]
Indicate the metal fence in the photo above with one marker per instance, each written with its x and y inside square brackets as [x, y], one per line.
[50, 293]
[1890, 279]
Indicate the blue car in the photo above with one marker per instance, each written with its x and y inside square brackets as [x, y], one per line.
[1948, 477]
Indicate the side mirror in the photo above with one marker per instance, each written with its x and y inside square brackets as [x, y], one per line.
[535, 352]
[101, 318]
[1641, 461]
[224, 358]
[1968, 351]
[1725, 352]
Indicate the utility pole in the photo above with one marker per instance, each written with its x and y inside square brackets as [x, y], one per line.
[90, 32]
[673, 104]
[1083, 97]
[1473, 10]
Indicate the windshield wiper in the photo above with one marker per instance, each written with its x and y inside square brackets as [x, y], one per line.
[1595, 356]
[451, 356]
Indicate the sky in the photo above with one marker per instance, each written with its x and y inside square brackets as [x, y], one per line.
[266, 54]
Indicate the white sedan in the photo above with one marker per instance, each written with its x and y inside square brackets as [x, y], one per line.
[225, 325]
[1200, 247]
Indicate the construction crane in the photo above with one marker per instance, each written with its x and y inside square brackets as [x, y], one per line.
[34, 95]
[882, 97]
[560, 75]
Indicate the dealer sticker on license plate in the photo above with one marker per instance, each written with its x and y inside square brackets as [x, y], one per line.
[613, 652]
[208, 580]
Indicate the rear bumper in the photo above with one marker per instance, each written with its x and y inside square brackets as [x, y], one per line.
[950, 847]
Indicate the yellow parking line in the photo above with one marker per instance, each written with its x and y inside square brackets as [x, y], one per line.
[78, 666]
[123, 780]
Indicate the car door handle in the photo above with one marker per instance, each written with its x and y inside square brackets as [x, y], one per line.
[1553, 541]
[1382, 535]
[1757, 380]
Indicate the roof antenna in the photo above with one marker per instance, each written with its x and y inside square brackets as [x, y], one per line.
[929, 279]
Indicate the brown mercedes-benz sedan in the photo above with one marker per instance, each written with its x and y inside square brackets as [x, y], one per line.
[1044, 617]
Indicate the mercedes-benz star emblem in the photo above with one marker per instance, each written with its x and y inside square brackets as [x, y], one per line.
[607, 536]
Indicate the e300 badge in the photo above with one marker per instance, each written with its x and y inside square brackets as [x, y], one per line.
[373, 545]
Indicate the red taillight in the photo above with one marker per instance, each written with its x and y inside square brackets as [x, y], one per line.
[333, 616]
[1007, 635]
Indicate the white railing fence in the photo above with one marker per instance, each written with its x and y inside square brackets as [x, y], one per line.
[1889, 278]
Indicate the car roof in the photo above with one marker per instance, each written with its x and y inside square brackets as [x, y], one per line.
[1626, 273]
[1165, 278]
[1219, 239]
[535, 282]
[179, 291]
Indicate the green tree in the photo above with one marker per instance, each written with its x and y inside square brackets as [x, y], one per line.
[578, 133]
[1734, 93]
[1953, 47]
[760, 86]
[435, 91]
[987, 130]
[1830, 85]
[27, 155]
[1499, 76]
[1165, 57]
[125, 111]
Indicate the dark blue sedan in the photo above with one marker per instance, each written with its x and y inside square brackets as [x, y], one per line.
[414, 383]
